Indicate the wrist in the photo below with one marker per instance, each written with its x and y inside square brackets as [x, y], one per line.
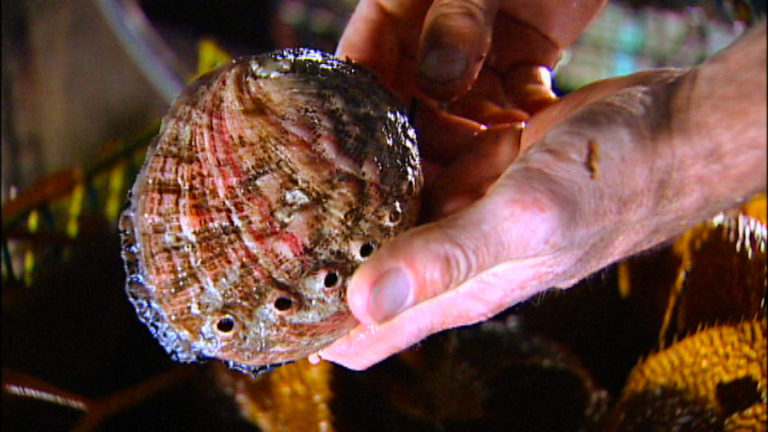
[616, 176]
[695, 145]
[720, 113]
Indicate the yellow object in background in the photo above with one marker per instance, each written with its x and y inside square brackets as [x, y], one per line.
[293, 397]
[210, 55]
[722, 367]
[756, 208]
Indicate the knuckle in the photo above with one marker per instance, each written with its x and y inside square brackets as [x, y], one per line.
[533, 221]
[459, 258]
[476, 12]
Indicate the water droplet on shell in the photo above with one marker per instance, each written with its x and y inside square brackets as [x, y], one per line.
[271, 180]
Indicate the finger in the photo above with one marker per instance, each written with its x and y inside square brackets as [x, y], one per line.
[537, 32]
[437, 257]
[454, 43]
[383, 36]
[486, 102]
[443, 136]
[560, 21]
[469, 176]
[516, 42]
[528, 87]
[476, 300]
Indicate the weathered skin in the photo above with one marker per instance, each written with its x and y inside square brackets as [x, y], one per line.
[268, 175]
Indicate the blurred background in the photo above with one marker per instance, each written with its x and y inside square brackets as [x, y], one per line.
[84, 86]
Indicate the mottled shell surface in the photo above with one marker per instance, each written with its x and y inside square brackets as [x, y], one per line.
[271, 180]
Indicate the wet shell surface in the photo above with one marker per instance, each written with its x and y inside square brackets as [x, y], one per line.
[271, 180]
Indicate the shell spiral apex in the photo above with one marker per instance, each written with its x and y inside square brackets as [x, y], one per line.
[271, 180]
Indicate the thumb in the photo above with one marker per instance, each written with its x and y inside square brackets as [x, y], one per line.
[454, 42]
[434, 258]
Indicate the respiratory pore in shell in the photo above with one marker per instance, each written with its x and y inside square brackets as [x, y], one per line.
[271, 180]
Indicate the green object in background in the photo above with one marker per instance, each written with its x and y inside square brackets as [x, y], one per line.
[624, 40]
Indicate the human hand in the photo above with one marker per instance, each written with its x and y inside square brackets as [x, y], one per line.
[479, 69]
[496, 75]
[569, 205]
[608, 171]
[503, 49]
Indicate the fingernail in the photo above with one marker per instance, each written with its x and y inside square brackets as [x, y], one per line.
[443, 65]
[390, 295]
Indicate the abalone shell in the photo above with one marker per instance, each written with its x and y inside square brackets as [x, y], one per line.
[271, 180]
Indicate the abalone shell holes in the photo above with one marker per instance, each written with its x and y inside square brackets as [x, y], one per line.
[367, 249]
[226, 324]
[394, 216]
[332, 279]
[282, 304]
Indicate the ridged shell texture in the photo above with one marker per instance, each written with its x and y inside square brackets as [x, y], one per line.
[271, 180]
